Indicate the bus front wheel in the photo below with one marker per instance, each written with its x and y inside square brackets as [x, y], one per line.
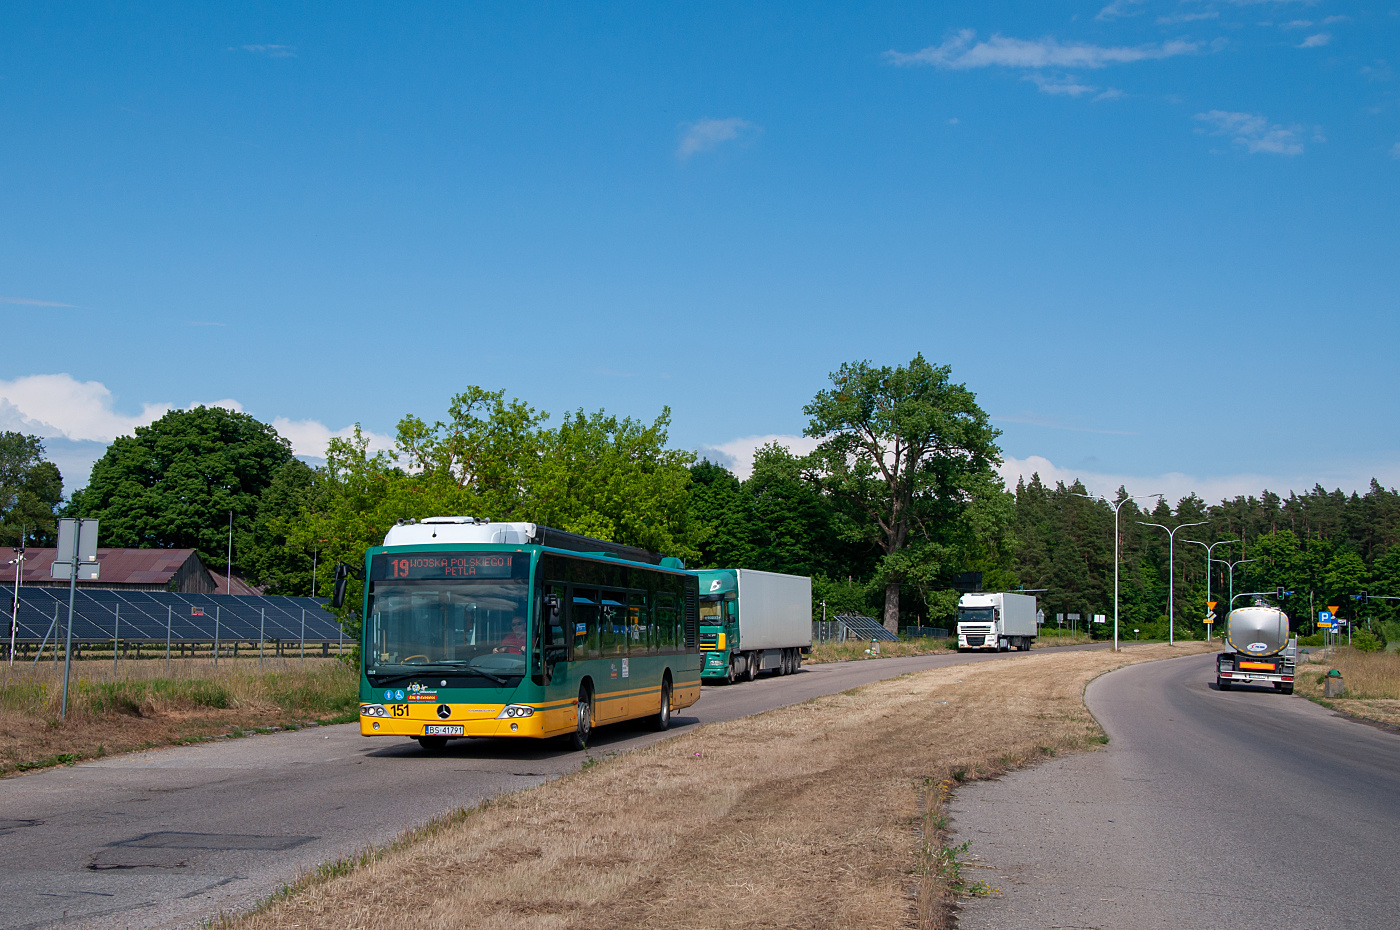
[583, 729]
[432, 743]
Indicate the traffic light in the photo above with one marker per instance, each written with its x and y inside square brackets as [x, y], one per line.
[1365, 598]
[1280, 592]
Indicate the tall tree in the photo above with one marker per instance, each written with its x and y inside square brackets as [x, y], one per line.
[174, 483]
[30, 490]
[909, 451]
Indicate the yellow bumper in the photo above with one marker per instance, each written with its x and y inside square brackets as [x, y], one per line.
[474, 719]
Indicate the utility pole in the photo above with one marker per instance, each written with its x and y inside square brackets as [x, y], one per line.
[1116, 508]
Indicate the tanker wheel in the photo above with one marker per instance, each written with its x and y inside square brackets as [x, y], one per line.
[1222, 684]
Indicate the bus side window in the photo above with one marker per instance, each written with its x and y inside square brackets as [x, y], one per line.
[584, 618]
[556, 644]
[667, 617]
[615, 631]
[644, 638]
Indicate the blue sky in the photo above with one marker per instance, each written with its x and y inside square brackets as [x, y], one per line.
[1157, 239]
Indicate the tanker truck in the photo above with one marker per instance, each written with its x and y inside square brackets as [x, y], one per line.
[1259, 648]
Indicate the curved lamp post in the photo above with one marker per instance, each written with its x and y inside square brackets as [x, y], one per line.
[1140, 497]
[1171, 575]
[1209, 548]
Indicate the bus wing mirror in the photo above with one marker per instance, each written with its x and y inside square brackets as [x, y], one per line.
[342, 574]
[551, 605]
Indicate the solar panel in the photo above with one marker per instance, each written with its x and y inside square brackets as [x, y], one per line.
[866, 628]
[146, 615]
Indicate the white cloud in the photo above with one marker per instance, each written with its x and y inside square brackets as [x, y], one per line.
[1111, 93]
[1120, 8]
[1211, 488]
[959, 53]
[34, 303]
[706, 135]
[1336, 19]
[1254, 132]
[1296, 24]
[61, 405]
[1175, 18]
[310, 437]
[1316, 41]
[1066, 86]
[1395, 150]
[271, 51]
[737, 454]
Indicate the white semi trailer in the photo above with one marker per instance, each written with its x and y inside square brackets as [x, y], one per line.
[752, 621]
[996, 622]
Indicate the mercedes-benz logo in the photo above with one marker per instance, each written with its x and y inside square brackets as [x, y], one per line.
[444, 711]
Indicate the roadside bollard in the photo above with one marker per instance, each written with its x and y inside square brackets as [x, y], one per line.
[1333, 686]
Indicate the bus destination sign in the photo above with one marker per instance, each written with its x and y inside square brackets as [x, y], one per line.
[436, 566]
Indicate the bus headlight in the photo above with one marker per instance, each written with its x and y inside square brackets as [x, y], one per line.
[516, 710]
[373, 710]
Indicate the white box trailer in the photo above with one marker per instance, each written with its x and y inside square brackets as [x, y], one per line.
[996, 622]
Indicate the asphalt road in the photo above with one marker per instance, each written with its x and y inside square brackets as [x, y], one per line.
[1238, 809]
[166, 838]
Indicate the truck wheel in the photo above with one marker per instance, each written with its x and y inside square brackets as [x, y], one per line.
[583, 729]
[662, 720]
[1221, 683]
[732, 675]
[796, 660]
[751, 666]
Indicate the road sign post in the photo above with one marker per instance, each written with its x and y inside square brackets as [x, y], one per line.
[76, 556]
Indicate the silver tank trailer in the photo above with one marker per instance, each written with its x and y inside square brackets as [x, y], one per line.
[1257, 631]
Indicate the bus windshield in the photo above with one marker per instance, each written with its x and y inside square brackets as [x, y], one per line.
[473, 628]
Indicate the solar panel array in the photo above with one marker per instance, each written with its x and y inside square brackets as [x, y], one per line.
[866, 628]
[144, 615]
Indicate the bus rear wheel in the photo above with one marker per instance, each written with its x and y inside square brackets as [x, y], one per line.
[662, 720]
[583, 729]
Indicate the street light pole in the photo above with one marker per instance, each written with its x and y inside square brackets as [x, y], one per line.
[1231, 566]
[1209, 549]
[1171, 576]
[18, 563]
[1116, 508]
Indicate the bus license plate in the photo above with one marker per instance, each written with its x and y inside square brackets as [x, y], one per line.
[438, 729]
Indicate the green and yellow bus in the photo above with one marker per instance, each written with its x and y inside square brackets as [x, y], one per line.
[476, 629]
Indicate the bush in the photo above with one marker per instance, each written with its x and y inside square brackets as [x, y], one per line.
[1313, 640]
[1365, 641]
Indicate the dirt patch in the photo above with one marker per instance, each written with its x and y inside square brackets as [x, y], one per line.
[826, 814]
[1372, 683]
[141, 706]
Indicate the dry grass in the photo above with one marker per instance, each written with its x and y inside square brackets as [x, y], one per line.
[826, 814]
[1372, 682]
[140, 706]
[861, 649]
